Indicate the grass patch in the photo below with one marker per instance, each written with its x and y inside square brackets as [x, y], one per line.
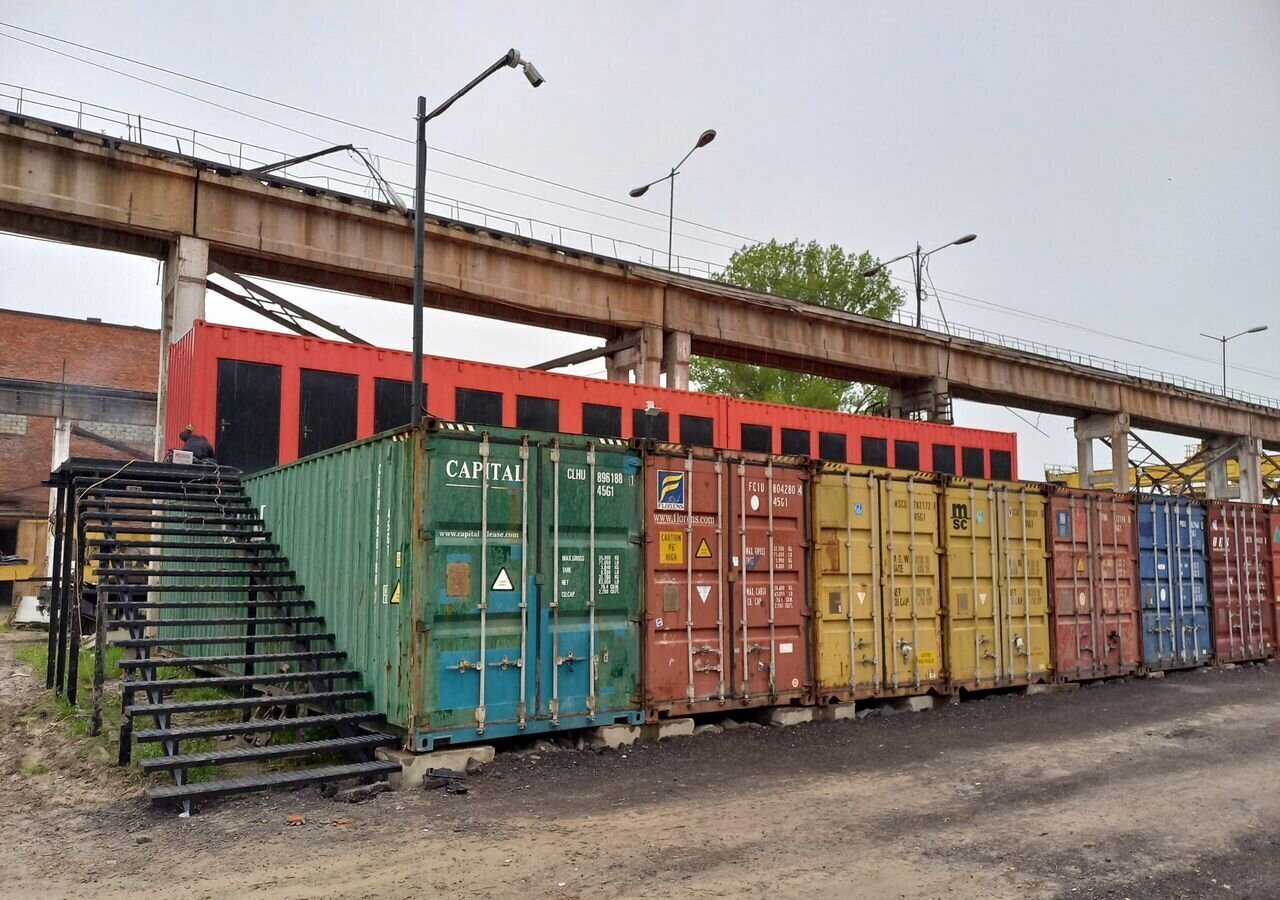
[35, 769]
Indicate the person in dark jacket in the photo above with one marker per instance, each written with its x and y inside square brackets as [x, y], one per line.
[198, 446]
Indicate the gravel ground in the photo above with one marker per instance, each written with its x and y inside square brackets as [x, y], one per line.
[1140, 789]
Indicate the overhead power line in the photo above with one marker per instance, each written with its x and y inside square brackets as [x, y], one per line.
[325, 117]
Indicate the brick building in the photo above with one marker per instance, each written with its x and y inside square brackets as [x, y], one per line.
[39, 356]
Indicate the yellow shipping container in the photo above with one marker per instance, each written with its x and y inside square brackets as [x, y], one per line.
[997, 614]
[877, 608]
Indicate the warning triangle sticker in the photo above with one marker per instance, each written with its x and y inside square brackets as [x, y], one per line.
[395, 597]
[704, 551]
[704, 590]
[503, 581]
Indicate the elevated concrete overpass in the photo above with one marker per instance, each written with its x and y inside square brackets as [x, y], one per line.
[90, 190]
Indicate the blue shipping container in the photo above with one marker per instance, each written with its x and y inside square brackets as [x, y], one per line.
[1175, 592]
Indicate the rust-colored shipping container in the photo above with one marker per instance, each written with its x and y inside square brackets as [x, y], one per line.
[877, 631]
[1240, 581]
[727, 608]
[1275, 579]
[997, 611]
[1097, 614]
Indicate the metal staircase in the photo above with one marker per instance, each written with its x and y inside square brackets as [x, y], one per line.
[172, 563]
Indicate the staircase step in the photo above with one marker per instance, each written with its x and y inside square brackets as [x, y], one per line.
[184, 560]
[265, 620]
[205, 604]
[159, 506]
[223, 639]
[242, 680]
[192, 545]
[268, 751]
[131, 518]
[224, 729]
[196, 661]
[196, 573]
[195, 706]
[201, 588]
[128, 529]
[235, 497]
[248, 784]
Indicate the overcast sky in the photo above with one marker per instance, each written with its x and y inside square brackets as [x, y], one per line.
[1119, 162]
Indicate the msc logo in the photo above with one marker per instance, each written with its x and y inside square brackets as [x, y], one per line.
[670, 490]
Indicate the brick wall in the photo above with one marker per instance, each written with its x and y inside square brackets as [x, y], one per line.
[43, 348]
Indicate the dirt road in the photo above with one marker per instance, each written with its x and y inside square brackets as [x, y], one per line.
[1142, 789]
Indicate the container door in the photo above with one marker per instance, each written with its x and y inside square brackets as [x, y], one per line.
[1119, 640]
[769, 615]
[847, 585]
[973, 634]
[588, 631]
[1274, 531]
[480, 600]
[1075, 577]
[1238, 569]
[910, 580]
[1193, 616]
[1025, 613]
[327, 410]
[686, 657]
[248, 415]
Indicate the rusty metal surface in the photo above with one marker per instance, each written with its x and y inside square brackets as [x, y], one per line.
[119, 191]
[1094, 584]
[723, 534]
[1240, 580]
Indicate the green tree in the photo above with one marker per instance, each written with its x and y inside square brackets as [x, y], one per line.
[829, 276]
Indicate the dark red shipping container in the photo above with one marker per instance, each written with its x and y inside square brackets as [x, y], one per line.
[1240, 581]
[1096, 608]
[1275, 578]
[724, 534]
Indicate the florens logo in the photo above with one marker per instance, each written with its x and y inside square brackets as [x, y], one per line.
[670, 490]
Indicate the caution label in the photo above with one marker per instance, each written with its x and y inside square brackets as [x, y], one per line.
[670, 547]
[395, 596]
[926, 657]
[503, 581]
[704, 550]
[704, 591]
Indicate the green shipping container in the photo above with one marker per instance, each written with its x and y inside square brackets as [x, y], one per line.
[487, 583]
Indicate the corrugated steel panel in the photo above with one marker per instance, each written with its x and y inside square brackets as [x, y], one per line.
[1094, 583]
[1172, 574]
[877, 622]
[1240, 581]
[724, 534]
[997, 589]
[344, 519]
[531, 564]
[1275, 577]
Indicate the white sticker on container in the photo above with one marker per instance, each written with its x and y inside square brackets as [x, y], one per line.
[658, 622]
[704, 591]
[503, 581]
[785, 648]
[795, 682]
[755, 502]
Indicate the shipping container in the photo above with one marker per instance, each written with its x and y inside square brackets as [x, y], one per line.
[486, 583]
[996, 611]
[727, 593]
[877, 627]
[1240, 581]
[1094, 584]
[1172, 583]
[1275, 578]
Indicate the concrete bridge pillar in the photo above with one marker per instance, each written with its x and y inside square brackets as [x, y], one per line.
[644, 359]
[929, 397]
[1114, 428]
[1247, 453]
[186, 271]
[676, 353]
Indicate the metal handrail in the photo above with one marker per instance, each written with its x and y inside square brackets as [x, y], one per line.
[358, 182]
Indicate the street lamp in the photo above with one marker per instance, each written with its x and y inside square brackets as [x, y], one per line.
[703, 139]
[513, 59]
[1223, 340]
[918, 259]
